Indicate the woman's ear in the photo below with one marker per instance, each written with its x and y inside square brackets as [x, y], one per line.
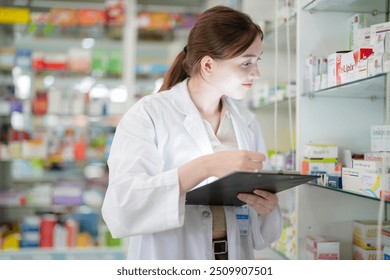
[207, 65]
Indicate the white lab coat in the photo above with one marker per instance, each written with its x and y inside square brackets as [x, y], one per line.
[157, 135]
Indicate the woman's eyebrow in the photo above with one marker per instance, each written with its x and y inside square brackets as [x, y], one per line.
[252, 55]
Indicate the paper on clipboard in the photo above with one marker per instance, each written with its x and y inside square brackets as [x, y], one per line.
[224, 190]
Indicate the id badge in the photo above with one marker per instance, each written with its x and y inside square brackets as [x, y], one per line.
[242, 216]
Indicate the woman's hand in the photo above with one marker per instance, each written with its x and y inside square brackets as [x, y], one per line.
[226, 162]
[219, 165]
[262, 202]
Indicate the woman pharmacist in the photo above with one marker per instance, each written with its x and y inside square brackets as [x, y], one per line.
[185, 136]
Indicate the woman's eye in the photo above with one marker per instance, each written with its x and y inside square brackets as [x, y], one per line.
[247, 64]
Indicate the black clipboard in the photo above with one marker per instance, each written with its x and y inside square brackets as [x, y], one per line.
[224, 190]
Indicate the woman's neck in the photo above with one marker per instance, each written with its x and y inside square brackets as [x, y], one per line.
[207, 101]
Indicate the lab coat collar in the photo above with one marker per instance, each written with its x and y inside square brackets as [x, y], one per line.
[183, 102]
[193, 122]
[241, 123]
[181, 99]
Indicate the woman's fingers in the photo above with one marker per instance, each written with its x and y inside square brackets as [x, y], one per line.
[254, 161]
[261, 201]
[226, 162]
[255, 156]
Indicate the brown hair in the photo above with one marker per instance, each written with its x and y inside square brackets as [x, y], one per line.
[220, 32]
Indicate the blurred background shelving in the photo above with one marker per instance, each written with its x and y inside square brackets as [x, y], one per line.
[68, 72]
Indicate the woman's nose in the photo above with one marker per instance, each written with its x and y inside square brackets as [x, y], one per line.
[255, 73]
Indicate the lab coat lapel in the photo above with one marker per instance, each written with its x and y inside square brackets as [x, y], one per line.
[196, 129]
[193, 122]
[245, 136]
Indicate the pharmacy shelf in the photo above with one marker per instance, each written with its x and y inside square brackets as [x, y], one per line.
[282, 105]
[104, 253]
[78, 120]
[55, 44]
[77, 172]
[369, 88]
[387, 202]
[341, 115]
[173, 5]
[269, 37]
[56, 208]
[356, 6]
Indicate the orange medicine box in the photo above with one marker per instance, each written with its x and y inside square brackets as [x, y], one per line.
[322, 248]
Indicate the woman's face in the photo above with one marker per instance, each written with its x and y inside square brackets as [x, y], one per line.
[234, 77]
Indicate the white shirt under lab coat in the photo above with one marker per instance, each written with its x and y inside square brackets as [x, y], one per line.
[157, 135]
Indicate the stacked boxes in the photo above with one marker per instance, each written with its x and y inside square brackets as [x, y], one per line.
[380, 41]
[380, 138]
[347, 67]
[356, 23]
[370, 176]
[320, 159]
[365, 240]
[364, 234]
[362, 182]
[368, 55]
[322, 248]
[316, 77]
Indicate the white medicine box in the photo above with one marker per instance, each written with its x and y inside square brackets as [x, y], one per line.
[322, 248]
[380, 138]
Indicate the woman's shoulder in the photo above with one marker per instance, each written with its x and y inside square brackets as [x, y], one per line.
[147, 104]
[157, 101]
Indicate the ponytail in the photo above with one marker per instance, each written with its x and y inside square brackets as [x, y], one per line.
[176, 73]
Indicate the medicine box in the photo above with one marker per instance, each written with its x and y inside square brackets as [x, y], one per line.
[381, 43]
[362, 182]
[377, 156]
[322, 248]
[365, 233]
[311, 71]
[378, 29]
[356, 22]
[334, 66]
[351, 179]
[362, 254]
[386, 236]
[335, 182]
[363, 38]
[348, 70]
[385, 62]
[385, 195]
[332, 69]
[380, 138]
[325, 166]
[320, 151]
[368, 165]
[386, 253]
[321, 82]
[375, 65]
[362, 69]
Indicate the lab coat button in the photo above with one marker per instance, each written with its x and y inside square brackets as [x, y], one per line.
[206, 214]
